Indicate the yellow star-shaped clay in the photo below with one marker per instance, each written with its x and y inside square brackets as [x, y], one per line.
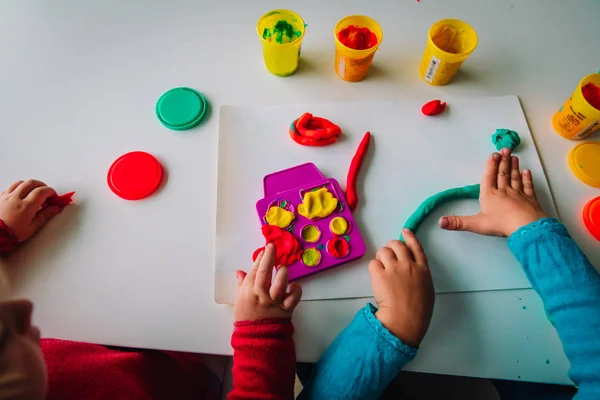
[317, 204]
[279, 217]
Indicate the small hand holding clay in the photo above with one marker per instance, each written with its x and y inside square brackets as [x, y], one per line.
[403, 289]
[259, 297]
[22, 207]
[507, 200]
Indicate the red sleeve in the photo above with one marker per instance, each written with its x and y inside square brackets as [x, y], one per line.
[264, 359]
[8, 241]
[93, 372]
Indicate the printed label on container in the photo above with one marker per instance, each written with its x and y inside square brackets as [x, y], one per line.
[432, 69]
[587, 130]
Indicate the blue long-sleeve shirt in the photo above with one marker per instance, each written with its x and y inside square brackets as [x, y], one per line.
[365, 357]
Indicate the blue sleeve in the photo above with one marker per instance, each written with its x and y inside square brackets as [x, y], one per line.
[570, 289]
[360, 363]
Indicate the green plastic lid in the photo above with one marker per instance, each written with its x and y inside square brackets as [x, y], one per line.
[181, 108]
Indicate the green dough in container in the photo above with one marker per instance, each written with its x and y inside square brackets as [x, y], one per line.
[417, 218]
[506, 138]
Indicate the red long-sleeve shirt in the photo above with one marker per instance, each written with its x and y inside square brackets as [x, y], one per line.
[264, 364]
[94, 372]
[264, 359]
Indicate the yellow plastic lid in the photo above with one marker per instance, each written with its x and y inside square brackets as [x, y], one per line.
[584, 161]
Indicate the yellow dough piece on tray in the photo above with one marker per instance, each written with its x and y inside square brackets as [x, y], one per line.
[317, 204]
[338, 226]
[279, 217]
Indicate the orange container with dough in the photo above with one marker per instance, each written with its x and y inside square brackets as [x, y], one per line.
[357, 38]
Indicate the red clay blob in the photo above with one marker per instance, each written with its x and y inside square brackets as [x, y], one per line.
[357, 38]
[338, 248]
[433, 107]
[287, 248]
[591, 93]
[357, 160]
[309, 130]
[60, 201]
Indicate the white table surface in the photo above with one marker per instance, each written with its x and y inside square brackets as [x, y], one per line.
[79, 81]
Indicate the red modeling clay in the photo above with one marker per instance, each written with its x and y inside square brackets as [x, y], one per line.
[314, 131]
[357, 38]
[338, 248]
[287, 248]
[591, 93]
[433, 107]
[61, 201]
[357, 160]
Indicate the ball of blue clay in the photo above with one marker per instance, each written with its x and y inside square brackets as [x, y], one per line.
[505, 138]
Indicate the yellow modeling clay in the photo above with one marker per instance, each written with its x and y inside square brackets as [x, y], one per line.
[279, 217]
[451, 40]
[311, 257]
[317, 204]
[310, 233]
[338, 225]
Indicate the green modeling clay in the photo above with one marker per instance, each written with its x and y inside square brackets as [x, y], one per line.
[283, 32]
[506, 138]
[465, 192]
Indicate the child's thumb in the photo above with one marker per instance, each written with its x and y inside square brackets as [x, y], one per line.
[464, 223]
[44, 215]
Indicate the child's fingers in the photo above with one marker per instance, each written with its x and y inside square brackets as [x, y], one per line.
[251, 277]
[400, 250]
[264, 273]
[527, 178]
[490, 173]
[26, 187]
[515, 174]
[279, 285]
[240, 276]
[386, 255]
[42, 217]
[504, 169]
[12, 187]
[293, 297]
[414, 246]
[39, 195]
[375, 266]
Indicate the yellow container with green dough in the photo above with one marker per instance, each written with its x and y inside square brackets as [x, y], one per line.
[449, 43]
[281, 33]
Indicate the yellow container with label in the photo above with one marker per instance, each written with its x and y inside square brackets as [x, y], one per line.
[353, 65]
[281, 33]
[577, 118]
[449, 43]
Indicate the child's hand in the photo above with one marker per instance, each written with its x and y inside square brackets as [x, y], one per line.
[507, 200]
[20, 207]
[403, 289]
[258, 297]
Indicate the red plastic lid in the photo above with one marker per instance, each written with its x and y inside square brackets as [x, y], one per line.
[591, 217]
[135, 175]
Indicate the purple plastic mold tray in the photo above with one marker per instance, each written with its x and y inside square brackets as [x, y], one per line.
[325, 244]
